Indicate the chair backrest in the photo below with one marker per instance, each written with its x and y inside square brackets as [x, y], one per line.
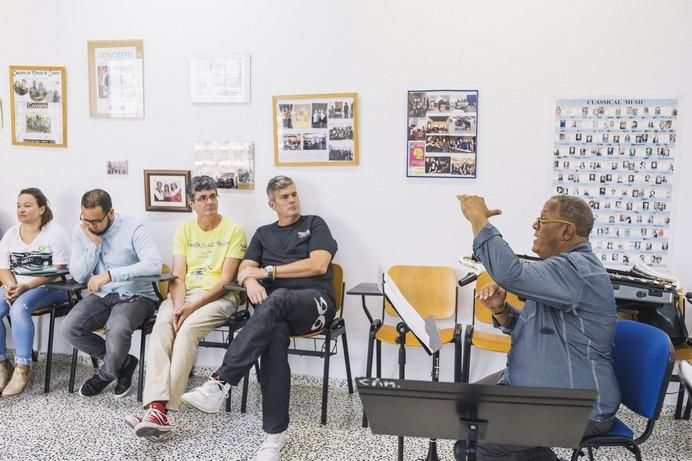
[643, 359]
[480, 311]
[338, 283]
[163, 286]
[431, 290]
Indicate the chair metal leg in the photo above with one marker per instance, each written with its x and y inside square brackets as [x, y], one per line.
[94, 362]
[73, 371]
[378, 353]
[590, 452]
[228, 400]
[325, 377]
[368, 366]
[246, 384]
[49, 355]
[402, 329]
[688, 408]
[457, 360]
[257, 371]
[680, 401]
[347, 362]
[142, 356]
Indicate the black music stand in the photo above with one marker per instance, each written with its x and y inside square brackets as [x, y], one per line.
[476, 412]
[427, 334]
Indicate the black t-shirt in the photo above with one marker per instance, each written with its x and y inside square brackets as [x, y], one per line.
[274, 245]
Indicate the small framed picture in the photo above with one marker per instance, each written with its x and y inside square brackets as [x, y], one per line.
[164, 190]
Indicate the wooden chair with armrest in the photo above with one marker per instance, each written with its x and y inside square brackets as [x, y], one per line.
[478, 337]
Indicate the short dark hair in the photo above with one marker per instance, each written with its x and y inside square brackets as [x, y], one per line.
[97, 197]
[276, 184]
[576, 210]
[41, 201]
[199, 183]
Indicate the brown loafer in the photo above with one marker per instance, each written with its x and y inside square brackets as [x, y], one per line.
[19, 381]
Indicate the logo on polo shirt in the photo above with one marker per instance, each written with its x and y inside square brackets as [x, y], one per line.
[304, 234]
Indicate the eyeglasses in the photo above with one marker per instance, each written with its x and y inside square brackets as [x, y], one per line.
[204, 198]
[93, 222]
[540, 221]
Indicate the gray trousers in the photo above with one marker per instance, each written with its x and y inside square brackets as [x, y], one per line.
[497, 451]
[119, 316]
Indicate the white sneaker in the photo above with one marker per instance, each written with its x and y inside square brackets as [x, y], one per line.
[208, 397]
[270, 450]
[686, 373]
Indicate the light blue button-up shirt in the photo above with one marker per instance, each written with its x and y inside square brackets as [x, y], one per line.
[563, 337]
[126, 250]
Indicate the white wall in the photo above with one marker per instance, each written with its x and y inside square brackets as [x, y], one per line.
[519, 55]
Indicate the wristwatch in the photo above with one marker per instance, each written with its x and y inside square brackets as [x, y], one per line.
[270, 271]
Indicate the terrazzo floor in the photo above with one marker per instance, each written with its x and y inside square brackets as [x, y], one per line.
[61, 426]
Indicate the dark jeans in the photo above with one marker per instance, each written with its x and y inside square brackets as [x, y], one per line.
[266, 335]
[120, 317]
[497, 451]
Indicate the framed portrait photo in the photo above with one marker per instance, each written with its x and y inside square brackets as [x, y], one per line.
[116, 79]
[164, 190]
[39, 111]
[316, 129]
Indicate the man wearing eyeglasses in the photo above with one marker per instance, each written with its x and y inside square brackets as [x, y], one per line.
[108, 251]
[207, 251]
[563, 337]
[287, 273]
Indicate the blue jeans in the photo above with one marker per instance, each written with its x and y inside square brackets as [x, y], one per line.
[22, 325]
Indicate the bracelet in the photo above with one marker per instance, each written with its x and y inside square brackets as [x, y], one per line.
[274, 272]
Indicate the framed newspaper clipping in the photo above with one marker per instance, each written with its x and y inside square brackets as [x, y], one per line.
[116, 79]
[316, 129]
[37, 102]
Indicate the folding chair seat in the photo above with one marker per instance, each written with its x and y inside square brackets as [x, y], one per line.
[432, 292]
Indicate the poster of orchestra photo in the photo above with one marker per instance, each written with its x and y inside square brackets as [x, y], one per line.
[442, 133]
[316, 129]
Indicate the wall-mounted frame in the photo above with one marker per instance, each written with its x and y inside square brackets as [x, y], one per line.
[316, 129]
[38, 108]
[164, 190]
[116, 78]
[442, 133]
[220, 79]
[231, 164]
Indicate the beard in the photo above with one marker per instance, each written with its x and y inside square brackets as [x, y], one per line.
[105, 229]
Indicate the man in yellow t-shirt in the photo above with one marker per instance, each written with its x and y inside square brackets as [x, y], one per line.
[207, 251]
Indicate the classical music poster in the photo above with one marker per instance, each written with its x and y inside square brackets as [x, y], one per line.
[618, 155]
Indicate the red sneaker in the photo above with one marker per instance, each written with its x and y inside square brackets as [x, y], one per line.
[153, 424]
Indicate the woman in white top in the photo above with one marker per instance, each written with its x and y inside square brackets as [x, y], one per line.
[32, 245]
